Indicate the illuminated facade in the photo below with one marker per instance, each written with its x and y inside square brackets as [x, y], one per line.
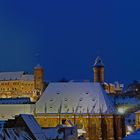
[85, 104]
[137, 123]
[21, 84]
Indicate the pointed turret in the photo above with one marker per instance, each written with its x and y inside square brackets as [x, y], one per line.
[98, 62]
[98, 70]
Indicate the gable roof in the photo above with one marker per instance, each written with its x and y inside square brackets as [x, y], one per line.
[78, 97]
[33, 126]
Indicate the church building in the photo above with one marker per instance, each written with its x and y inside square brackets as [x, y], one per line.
[85, 104]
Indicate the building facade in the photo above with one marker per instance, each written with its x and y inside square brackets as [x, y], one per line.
[22, 84]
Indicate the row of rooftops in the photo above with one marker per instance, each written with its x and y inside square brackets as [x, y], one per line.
[78, 97]
[25, 126]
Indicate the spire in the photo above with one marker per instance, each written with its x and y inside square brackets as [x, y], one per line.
[98, 62]
[98, 70]
[38, 66]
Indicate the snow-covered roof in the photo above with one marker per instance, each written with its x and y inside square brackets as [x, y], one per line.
[5, 76]
[21, 75]
[138, 111]
[33, 126]
[78, 97]
[17, 131]
[27, 77]
[14, 134]
[15, 100]
[98, 62]
[38, 66]
[133, 136]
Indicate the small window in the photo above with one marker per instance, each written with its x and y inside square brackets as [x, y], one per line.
[86, 92]
[81, 99]
[57, 93]
[65, 106]
[51, 100]
[66, 99]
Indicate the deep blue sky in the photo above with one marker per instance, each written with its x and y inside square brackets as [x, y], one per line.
[66, 36]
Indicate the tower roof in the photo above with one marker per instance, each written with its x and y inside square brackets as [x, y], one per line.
[98, 62]
[38, 66]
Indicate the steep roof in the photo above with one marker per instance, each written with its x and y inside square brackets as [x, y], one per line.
[78, 97]
[11, 134]
[33, 126]
[27, 129]
[98, 62]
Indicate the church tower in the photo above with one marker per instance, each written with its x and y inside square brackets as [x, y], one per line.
[98, 70]
[38, 78]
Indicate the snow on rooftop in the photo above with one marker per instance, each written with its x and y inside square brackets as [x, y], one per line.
[98, 62]
[75, 97]
[21, 75]
[33, 126]
[38, 66]
[138, 111]
[4, 76]
[27, 77]
[14, 134]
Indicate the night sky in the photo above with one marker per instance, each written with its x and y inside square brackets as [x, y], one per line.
[66, 36]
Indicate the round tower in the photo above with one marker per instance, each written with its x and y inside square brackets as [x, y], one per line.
[98, 70]
[38, 78]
